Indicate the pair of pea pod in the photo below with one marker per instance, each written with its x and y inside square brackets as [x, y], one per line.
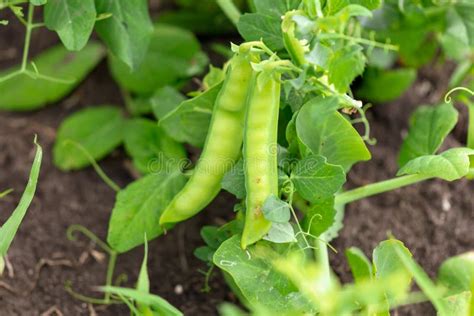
[244, 112]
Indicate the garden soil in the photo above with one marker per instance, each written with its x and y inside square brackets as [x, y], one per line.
[435, 220]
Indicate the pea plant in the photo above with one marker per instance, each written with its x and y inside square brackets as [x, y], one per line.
[277, 125]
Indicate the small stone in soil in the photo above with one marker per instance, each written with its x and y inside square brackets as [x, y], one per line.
[178, 289]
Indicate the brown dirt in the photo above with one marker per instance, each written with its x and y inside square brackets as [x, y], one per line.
[414, 214]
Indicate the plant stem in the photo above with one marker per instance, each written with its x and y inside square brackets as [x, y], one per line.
[322, 258]
[29, 28]
[230, 10]
[110, 273]
[470, 131]
[378, 187]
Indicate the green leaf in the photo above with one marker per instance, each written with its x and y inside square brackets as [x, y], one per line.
[38, 2]
[315, 179]
[173, 55]
[281, 233]
[190, 121]
[275, 7]
[151, 148]
[385, 85]
[458, 304]
[465, 12]
[457, 273]
[387, 262]
[257, 26]
[253, 273]
[422, 279]
[369, 4]
[234, 180]
[345, 65]
[204, 253]
[327, 133]
[11, 226]
[276, 210]
[56, 62]
[360, 265]
[157, 303]
[73, 20]
[128, 31]
[165, 100]
[98, 130]
[138, 208]
[320, 217]
[450, 165]
[429, 126]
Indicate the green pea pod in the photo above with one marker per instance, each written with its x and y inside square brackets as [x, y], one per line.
[222, 147]
[260, 156]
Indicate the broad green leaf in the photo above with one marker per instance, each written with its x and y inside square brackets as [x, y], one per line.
[227, 309]
[338, 223]
[275, 7]
[345, 65]
[253, 273]
[369, 4]
[38, 2]
[450, 165]
[234, 180]
[157, 303]
[276, 210]
[327, 133]
[10, 227]
[189, 121]
[422, 279]
[150, 147]
[385, 85]
[173, 55]
[320, 217]
[55, 62]
[315, 179]
[205, 23]
[73, 20]
[457, 273]
[281, 233]
[138, 209]
[360, 265]
[429, 126]
[257, 26]
[458, 304]
[128, 31]
[165, 100]
[465, 11]
[387, 262]
[89, 133]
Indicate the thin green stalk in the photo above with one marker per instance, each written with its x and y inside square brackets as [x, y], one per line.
[322, 257]
[378, 187]
[5, 193]
[230, 10]
[470, 130]
[110, 273]
[114, 186]
[29, 28]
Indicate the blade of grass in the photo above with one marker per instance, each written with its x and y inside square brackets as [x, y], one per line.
[9, 229]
